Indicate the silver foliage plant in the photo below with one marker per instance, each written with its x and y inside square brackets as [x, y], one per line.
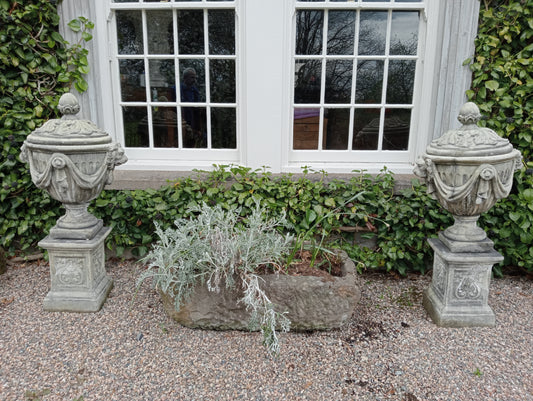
[219, 247]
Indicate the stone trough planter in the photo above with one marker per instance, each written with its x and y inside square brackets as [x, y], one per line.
[311, 303]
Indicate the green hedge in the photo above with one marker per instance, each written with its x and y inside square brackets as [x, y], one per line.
[37, 66]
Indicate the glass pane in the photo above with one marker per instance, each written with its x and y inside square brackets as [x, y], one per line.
[341, 27]
[132, 80]
[135, 127]
[309, 32]
[401, 81]
[396, 129]
[125, 1]
[307, 81]
[222, 77]
[192, 86]
[221, 31]
[160, 32]
[338, 127]
[376, 1]
[310, 1]
[191, 32]
[369, 84]
[338, 81]
[404, 32]
[306, 128]
[366, 129]
[165, 127]
[194, 127]
[372, 32]
[223, 128]
[162, 80]
[129, 32]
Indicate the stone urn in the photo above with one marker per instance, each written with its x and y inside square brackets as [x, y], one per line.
[467, 170]
[72, 160]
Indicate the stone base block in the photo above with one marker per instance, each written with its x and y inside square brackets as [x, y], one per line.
[458, 294]
[311, 303]
[79, 282]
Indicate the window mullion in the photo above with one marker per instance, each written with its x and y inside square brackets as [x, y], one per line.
[147, 81]
[207, 79]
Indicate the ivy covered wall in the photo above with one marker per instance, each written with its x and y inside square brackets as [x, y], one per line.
[37, 65]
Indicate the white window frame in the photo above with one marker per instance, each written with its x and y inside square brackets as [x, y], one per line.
[171, 158]
[264, 83]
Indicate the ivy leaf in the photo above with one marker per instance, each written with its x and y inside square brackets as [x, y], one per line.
[492, 85]
[75, 25]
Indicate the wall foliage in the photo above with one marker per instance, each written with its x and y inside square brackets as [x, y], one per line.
[37, 65]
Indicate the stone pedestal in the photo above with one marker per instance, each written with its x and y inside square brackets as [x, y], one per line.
[77, 272]
[458, 294]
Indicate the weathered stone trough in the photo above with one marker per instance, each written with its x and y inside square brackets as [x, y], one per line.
[311, 303]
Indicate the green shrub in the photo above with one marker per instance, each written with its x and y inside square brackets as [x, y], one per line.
[36, 67]
[218, 248]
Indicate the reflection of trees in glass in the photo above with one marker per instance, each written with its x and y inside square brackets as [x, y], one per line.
[191, 32]
[307, 81]
[369, 82]
[338, 81]
[129, 32]
[221, 31]
[131, 73]
[309, 31]
[223, 128]
[401, 81]
[222, 77]
[372, 32]
[341, 28]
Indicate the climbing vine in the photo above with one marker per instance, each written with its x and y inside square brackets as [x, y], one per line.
[37, 65]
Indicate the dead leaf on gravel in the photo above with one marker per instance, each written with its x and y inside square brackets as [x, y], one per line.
[6, 301]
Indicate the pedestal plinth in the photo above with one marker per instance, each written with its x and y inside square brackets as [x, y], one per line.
[77, 272]
[458, 294]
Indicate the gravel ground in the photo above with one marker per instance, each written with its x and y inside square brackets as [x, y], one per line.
[130, 350]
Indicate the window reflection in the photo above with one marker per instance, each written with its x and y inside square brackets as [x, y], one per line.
[135, 126]
[223, 128]
[309, 27]
[222, 79]
[164, 126]
[401, 81]
[404, 32]
[191, 32]
[338, 81]
[341, 28]
[306, 128]
[366, 129]
[372, 32]
[194, 118]
[160, 32]
[132, 81]
[162, 81]
[192, 86]
[396, 129]
[129, 32]
[338, 125]
[307, 81]
[369, 81]
[221, 32]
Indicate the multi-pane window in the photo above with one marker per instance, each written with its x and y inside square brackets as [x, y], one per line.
[177, 68]
[354, 74]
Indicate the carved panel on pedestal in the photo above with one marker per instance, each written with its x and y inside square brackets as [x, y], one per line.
[98, 260]
[468, 286]
[439, 275]
[70, 271]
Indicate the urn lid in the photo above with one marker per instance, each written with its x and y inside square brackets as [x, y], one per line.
[470, 139]
[68, 130]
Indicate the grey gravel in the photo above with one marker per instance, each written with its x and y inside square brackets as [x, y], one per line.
[131, 350]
